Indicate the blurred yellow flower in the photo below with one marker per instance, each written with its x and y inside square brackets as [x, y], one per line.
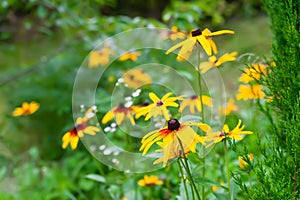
[99, 57]
[229, 107]
[158, 107]
[72, 136]
[236, 134]
[149, 181]
[130, 56]
[243, 164]
[26, 109]
[194, 102]
[177, 138]
[213, 61]
[203, 38]
[120, 112]
[135, 78]
[253, 72]
[174, 34]
[250, 92]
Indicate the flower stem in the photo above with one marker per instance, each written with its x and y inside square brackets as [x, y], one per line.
[183, 179]
[227, 166]
[185, 164]
[202, 113]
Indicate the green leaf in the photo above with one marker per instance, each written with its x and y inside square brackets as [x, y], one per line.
[96, 177]
[207, 182]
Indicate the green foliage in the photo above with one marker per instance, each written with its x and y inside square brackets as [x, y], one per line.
[278, 169]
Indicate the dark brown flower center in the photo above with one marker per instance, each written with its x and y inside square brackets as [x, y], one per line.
[173, 124]
[159, 103]
[196, 32]
[194, 97]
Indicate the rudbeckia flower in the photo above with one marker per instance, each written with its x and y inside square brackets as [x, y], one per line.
[99, 57]
[175, 140]
[135, 78]
[236, 134]
[250, 92]
[253, 72]
[158, 107]
[72, 136]
[243, 164]
[26, 109]
[229, 107]
[213, 61]
[194, 102]
[130, 56]
[120, 112]
[203, 38]
[149, 181]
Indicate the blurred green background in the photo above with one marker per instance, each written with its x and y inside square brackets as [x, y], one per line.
[42, 45]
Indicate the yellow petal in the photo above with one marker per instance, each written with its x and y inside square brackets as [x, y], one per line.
[74, 142]
[107, 117]
[176, 46]
[153, 97]
[205, 44]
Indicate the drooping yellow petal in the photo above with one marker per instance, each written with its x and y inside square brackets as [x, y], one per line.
[74, 142]
[107, 117]
[205, 44]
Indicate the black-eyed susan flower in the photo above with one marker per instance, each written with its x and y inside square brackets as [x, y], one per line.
[203, 38]
[97, 58]
[213, 61]
[242, 162]
[158, 107]
[175, 140]
[72, 136]
[229, 107]
[26, 109]
[236, 134]
[135, 78]
[150, 180]
[130, 56]
[120, 112]
[194, 102]
[250, 92]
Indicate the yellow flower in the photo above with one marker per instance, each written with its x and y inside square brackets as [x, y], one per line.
[130, 56]
[253, 72]
[120, 112]
[194, 102]
[243, 164]
[135, 78]
[174, 34]
[250, 92]
[177, 139]
[203, 38]
[229, 107]
[213, 61]
[99, 57]
[26, 109]
[158, 107]
[236, 134]
[215, 188]
[72, 136]
[149, 181]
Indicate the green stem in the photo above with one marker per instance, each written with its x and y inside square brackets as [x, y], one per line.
[202, 114]
[187, 169]
[183, 179]
[227, 166]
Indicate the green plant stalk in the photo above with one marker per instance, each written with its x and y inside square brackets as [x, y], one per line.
[183, 179]
[227, 166]
[187, 169]
[202, 114]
